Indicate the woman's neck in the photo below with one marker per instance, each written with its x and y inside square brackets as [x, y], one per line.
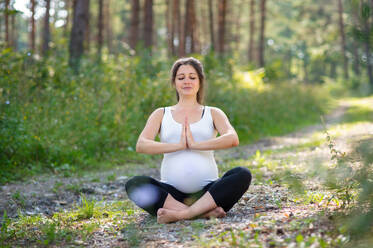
[187, 102]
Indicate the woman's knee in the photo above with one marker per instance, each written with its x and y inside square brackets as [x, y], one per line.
[244, 174]
[143, 192]
[135, 182]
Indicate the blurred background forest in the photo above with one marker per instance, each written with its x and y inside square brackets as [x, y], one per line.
[79, 78]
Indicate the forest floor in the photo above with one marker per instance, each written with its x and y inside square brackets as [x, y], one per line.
[286, 205]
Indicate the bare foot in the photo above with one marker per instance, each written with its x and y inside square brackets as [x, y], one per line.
[167, 216]
[217, 212]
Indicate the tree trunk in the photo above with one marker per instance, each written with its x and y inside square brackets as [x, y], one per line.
[367, 40]
[100, 27]
[7, 39]
[189, 26]
[175, 24]
[46, 32]
[80, 22]
[194, 31]
[356, 60]
[148, 24]
[87, 36]
[252, 31]
[343, 39]
[169, 27]
[203, 32]
[14, 31]
[171, 19]
[1, 29]
[211, 23]
[333, 70]
[262, 30]
[107, 27]
[369, 64]
[32, 34]
[221, 25]
[180, 29]
[289, 59]
[305, 66]
[368, 48]
[186, 28]
[135, 23]
[237, 36]
[356, 43]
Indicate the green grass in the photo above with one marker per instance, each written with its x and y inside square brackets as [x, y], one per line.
[86, 209]
[67, 228]
[119, 218]
[75, 188]
[19, 199]
[111, 177]
[261, 234]
[361, 111]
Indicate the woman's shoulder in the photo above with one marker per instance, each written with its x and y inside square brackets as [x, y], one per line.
[216, 110]
[158, 113]
[217, 114]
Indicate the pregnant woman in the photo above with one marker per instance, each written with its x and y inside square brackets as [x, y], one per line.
[189, 185]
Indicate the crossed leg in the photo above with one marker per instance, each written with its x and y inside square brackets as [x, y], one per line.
[171, 205]
[155, 198]
[173, 210]
[226, 191]
[152, 195]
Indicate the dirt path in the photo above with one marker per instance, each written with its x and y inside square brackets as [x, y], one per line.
[268, 215]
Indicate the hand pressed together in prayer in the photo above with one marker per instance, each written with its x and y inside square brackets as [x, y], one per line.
[189, 137]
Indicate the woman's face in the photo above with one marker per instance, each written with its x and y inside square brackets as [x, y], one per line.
[187, 81]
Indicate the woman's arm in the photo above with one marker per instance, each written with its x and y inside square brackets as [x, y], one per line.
[147, 144]
[228, 136]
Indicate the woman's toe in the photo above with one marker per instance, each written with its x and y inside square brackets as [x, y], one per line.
[160, 212]
[221, 212]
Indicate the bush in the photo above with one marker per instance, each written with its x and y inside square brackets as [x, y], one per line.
[52, 118]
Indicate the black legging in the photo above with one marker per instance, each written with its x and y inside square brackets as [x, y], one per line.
[150, 194]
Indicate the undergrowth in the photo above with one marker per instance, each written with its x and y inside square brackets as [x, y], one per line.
[68, 228]
[52, 119]
[350, 179]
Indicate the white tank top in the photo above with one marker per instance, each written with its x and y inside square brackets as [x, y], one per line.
[188, 170]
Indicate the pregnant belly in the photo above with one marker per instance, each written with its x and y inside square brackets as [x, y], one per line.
[189, 171]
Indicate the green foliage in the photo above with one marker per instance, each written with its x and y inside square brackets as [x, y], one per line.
[341, 175]
[57, 187]
[53, 119]
[65, 228]
[75, 188]
[272, 110]
[111, 177]
[353, 186]
[19, 199]
[356, 85]
[49, 231]
[132, 234]
[360, 220]
[86, 209]
[5, 232]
